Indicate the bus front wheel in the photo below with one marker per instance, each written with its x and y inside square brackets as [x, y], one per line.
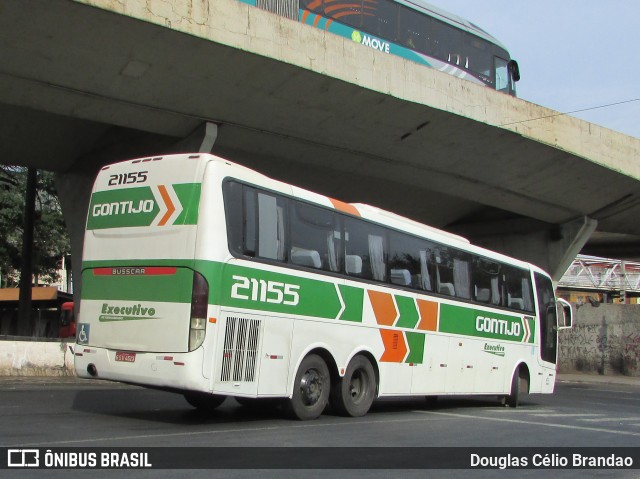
[311, 389]
[519, 385]
[353, 394]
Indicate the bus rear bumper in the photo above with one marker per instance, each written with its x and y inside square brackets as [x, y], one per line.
[163, 370]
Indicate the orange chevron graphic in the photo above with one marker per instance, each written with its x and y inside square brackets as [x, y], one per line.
[395, 346]
[344, 207]
[170, 206]
[428, 315]
[383, 307]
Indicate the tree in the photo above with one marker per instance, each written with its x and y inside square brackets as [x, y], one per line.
[51, 240]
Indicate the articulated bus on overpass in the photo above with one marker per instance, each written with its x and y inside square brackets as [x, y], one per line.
[412, 29]
[206, 278]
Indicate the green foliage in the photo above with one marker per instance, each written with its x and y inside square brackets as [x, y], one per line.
[51, 240]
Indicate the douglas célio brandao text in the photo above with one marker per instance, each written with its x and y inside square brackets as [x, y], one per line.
[550, 461]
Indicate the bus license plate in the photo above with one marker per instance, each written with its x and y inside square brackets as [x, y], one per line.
[125, 357]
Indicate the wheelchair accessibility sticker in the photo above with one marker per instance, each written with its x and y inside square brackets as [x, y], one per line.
[83, 333]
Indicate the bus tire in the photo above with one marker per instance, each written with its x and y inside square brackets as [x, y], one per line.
[204, 402]
[354, 393]
[512, 400]
[310, 389]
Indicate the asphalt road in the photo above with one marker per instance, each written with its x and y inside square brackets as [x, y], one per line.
[67, 413]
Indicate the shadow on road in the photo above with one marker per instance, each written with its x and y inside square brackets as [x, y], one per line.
[169, 408]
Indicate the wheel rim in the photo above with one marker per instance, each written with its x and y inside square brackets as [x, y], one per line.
[358, 385]
[311, 386]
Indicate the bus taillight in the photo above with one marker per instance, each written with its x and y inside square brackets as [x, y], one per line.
[199, 306]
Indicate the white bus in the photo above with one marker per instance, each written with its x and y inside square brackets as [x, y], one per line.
[207, 278]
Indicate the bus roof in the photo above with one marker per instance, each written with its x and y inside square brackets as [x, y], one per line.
[451, 19]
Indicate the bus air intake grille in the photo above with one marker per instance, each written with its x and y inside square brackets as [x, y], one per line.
[241, 339]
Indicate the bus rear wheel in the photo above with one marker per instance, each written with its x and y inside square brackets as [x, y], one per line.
[353, 394]
[203, 401]
[310, 390]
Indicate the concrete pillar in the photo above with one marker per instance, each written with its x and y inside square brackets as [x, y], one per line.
[74, 192]
[551, 247]
[25, 312]
[564, 248]
[74, 186]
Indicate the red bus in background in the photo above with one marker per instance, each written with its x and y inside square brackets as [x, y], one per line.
[67, 321]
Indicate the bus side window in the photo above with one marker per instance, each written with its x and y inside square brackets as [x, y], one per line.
[479, 58]
[234, 211]
[446, 42]
[315, 237]
[250, 227]
[413, 28]
[518, 289]
[462, 275]
[255, 222]
[453, 275]
[486, 281]
[408, 261]
[270, 227]
[367, 241]
[347, 13]
[502, 74]
[383, 21]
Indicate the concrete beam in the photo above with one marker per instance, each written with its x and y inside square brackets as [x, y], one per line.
[572, 238]
[551, 247]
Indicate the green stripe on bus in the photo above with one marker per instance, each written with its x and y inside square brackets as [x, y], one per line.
[409, 316]
[278, 293]
[137, 206]
[244, 287]
[189, 196]
[174, 288]
[353, 301]
[415, 342]
[122, 208]
[490, 325]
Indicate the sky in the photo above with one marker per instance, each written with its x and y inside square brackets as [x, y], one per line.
[573, 54]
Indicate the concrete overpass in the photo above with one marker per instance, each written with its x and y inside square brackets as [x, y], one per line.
[87, 82]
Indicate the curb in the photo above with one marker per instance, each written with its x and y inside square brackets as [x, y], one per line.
[598, 379]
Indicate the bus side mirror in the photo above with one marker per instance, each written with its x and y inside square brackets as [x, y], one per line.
[565, 314]
[514, 68]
